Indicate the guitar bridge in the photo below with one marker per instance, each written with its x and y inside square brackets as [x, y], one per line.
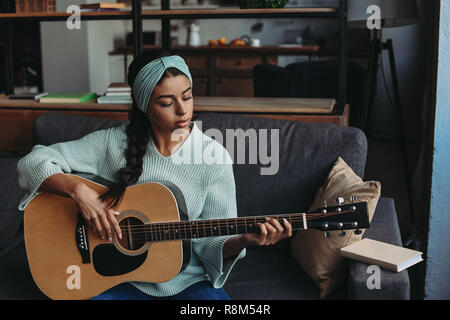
[82, 240]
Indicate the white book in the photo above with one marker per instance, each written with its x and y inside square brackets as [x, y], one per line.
[118, 93]
[383, 254]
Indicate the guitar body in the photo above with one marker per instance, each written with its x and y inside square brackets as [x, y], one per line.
[70, 261]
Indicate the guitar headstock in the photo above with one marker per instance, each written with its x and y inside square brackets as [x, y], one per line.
[350, 216]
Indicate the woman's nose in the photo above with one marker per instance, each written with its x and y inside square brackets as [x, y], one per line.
[181, 108]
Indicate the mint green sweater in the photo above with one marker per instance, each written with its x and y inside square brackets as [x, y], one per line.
[208, 188]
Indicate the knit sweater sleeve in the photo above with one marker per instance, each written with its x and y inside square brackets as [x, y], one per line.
[82, 155]
[220, 203]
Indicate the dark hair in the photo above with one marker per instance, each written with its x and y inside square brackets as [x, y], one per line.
[138, 133]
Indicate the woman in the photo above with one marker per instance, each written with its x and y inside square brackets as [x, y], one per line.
[143, 151]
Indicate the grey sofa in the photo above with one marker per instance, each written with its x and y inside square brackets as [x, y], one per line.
[307, 152]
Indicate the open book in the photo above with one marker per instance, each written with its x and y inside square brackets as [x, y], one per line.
[385, 255]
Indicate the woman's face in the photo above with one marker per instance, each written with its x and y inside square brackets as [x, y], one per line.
[171, 104]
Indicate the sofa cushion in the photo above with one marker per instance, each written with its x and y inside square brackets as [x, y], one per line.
[395, 286]
[320, 256]
[306, 153]
[46, 130]
[272, 275]
[11, 192]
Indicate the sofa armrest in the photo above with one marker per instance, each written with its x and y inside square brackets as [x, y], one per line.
[392, 285]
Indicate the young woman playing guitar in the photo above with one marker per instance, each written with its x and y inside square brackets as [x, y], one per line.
[139, 152]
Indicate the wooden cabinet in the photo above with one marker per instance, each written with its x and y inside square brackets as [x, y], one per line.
[226, 71]
[234, 87]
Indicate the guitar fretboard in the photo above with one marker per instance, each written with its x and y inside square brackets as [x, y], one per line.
[214, 228]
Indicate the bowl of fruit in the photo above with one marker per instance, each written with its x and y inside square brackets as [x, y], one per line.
[223, 42]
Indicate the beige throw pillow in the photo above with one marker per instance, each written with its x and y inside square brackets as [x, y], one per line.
[319, 256]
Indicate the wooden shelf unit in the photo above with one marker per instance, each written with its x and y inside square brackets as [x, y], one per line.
[16, 121]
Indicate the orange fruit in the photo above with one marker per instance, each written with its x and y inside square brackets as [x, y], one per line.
[223, 40]
[213, 42]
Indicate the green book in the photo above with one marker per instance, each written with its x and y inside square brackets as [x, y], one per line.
[67, 97]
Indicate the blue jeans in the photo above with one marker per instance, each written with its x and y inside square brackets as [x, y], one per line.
[202, 290]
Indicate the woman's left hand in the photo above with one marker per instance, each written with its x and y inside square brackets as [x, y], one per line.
[270, 233]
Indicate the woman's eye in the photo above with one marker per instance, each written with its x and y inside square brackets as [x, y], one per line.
[166, 104]
[187, 98]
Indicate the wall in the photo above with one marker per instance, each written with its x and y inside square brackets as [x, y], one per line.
[64, 54]
[437, 282]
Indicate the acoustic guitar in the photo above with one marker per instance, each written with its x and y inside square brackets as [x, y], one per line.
[68, 260]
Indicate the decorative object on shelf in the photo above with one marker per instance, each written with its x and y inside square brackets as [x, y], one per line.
[194, 35]
[242, 41]
[35, 6]
[254, 42]
[262, 4]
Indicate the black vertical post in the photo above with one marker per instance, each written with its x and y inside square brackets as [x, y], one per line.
[8, 63]
[370, 82]
[137, 27]
[398, 118]
[8, 57]
[165, 28]
[342, 73]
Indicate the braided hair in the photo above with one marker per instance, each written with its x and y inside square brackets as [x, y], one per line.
[138, 133]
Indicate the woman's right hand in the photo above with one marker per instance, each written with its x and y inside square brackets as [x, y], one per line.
[95, 212]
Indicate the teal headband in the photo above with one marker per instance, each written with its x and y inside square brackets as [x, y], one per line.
[151, 73]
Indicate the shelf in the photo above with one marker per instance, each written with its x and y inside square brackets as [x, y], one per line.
[6, 103]
[175, 14]
[304, 49]
[241, 13]
[62, 16]
[263, 105]
[201, 104]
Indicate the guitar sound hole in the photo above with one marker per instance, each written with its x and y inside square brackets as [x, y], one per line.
[133, 234]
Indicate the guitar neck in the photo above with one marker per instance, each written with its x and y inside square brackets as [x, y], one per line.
[216, 228]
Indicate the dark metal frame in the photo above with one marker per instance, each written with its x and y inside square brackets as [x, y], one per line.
[137, 16]
[377, 47]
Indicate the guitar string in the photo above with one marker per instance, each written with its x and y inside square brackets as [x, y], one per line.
[156, 232]
[240, 222]
[202, 223]
[162, 238]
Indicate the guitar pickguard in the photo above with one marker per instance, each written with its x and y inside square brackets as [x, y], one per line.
[108, 261]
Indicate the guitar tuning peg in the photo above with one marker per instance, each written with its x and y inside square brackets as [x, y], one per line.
[325, 203]
[327, 234]
[341, 233]
[353, 199]
[358, 231]
[339, 200]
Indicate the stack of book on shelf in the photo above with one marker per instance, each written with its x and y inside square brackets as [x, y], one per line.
[102, 6]
[35, 6]
[67, 97]
[116, 93]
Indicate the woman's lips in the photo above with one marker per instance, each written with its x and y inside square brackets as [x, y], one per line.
[182, 123]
